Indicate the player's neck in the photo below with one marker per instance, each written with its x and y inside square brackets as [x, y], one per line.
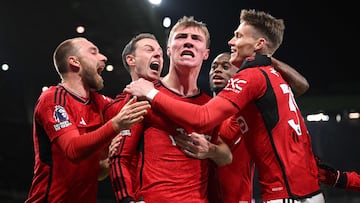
[76, 89]
[182, 87]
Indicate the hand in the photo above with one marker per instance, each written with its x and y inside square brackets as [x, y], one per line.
[139, 88]
[327, 174]
[104, 169]
[194, 145]
[131, 113]
[115, 142]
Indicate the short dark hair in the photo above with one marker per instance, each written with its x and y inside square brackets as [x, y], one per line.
[131, 46]
[266, 24]
[62, 51]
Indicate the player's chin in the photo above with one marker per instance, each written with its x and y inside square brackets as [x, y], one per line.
[99, 84]
[219, 83]
[153, 76]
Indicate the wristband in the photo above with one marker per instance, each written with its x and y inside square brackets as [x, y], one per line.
[150, 96]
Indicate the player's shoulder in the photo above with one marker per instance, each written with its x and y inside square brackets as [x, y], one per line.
[251, 74]
[51, 92]
[115, 105]
[50, 96]
[122, 97]
[101, 97]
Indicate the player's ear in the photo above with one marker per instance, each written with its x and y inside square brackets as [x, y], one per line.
[206, 55]
[130, 60]
[74, 63]
[168, 52]
[260, 43]
[73, 60]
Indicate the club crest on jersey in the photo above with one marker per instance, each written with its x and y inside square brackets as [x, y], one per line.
[61, 118]
[234, 84]
[242, 124]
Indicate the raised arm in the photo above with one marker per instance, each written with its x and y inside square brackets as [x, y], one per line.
[298, 83]
[349, 180]
[202, 117]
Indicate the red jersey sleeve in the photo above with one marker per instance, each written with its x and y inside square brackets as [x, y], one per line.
[124, 165]
[203, 117]
[239, 91]
[230, 131]
[353, 181]
[59, 124]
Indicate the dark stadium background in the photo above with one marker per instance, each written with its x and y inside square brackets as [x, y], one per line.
[319, 42]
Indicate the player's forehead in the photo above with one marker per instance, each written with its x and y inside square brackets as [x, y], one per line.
[222, 58]
[84, 45]
[190, 30]
[148, 42]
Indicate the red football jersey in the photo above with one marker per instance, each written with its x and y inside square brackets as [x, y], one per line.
[122, 189]
[275, 132]
[353, 181]
[236, 178]
[57, 179]
[165, 172]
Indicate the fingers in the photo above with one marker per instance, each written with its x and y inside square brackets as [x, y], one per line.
[187, 145]
[132, 112]
[135, 120]
[140, 106]
[139, 114]
[115, 142]
[183, 141]
[189, 153]
[133, 103]
[132, 100]
[128, 88]
[133, 109]
[197, 136]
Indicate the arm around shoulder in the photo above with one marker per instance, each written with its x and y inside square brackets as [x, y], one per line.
[298, 82]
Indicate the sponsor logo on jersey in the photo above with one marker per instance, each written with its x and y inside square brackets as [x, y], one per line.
[234, 85]
[242, 124]
[273, 71]
[61, 117]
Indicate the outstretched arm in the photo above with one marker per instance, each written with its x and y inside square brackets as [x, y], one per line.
[203, 117]
[353, 181]
[77, 148]
[333, 177]
[298, 83]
